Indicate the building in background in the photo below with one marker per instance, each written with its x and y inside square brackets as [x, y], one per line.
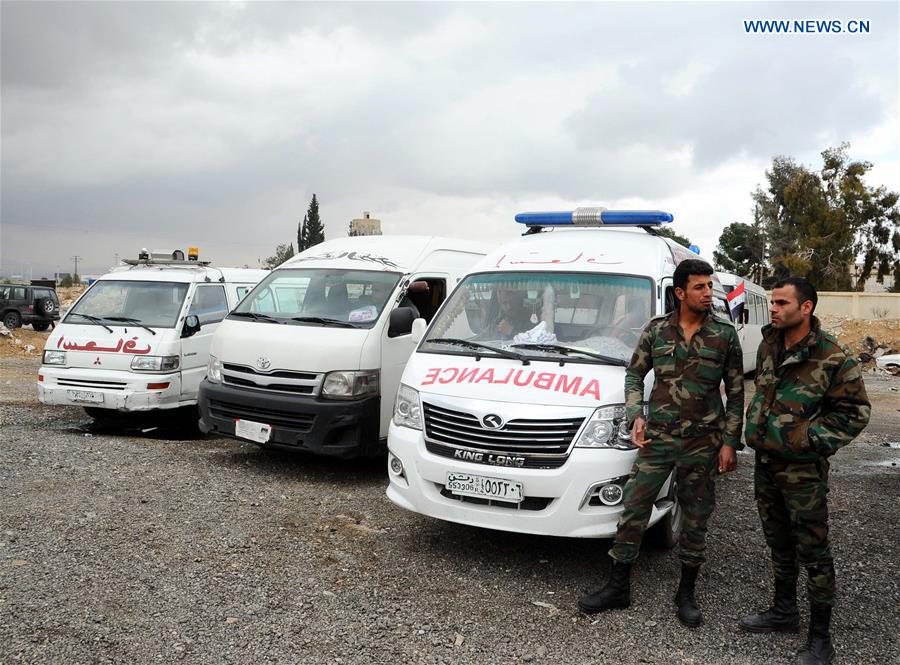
[365, 226]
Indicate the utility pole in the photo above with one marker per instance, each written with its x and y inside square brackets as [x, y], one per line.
[75, 258]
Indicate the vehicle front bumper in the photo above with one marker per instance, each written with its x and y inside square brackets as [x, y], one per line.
[344, 429]
[121, 391]
[568, 487]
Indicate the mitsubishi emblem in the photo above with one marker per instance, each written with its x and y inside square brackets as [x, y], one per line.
[492, 421]
[263, 363]
[97, 361]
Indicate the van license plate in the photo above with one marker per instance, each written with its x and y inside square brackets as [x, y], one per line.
[85, 396]
[482, 487]
[247, 429]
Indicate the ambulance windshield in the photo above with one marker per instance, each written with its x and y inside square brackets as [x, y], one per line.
[307, 296]
[152, 304]
[524, 311]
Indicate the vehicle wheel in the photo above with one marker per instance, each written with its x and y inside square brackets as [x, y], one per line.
[12, 320]
[666, 533]
[44, 305]
[40, 326]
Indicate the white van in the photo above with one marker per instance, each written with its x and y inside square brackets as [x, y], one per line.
[312, 358]
[510, 414]
[138, 338]
[749, 304]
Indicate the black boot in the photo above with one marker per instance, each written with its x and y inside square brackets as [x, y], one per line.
[688, 612]
[782, 617]
[818, 649]
[615, 595]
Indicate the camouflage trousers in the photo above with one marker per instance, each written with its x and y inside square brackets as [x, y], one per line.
[791, 498]
[695, 461]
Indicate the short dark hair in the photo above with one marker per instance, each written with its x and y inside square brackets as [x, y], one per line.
[805, 290]
[687, 268]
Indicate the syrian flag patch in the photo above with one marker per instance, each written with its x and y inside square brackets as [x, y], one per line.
[736, 302]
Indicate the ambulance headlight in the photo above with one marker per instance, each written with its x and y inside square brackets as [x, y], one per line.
[214, 370]
[54, 357]
[350, 385]
[606, 428]
[154, 363]
[407, 412]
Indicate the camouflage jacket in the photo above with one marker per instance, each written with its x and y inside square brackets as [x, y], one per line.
[810, 399]
[685, 399]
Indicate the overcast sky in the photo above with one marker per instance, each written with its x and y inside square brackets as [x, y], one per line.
[172, 124]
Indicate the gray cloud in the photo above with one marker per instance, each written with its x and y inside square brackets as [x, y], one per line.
[124, 120]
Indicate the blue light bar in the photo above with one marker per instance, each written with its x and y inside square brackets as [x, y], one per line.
[595, 217]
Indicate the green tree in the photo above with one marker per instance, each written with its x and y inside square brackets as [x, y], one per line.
[818, 223]
[311, 232]
[282, 254]
[666, 232]
[742, 250]
[65, 280]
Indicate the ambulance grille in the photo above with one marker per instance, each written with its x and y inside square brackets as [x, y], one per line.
[283, 381]
[92, 383]
[543, 443]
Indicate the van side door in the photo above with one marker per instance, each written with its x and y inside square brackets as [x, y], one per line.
[395, 351]
[210, 305]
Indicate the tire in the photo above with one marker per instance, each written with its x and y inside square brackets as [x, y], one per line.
[40, 326]
[12, 320]
[44, 305]
[666, 533]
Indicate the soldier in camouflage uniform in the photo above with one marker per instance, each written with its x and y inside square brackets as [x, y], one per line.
[687, 429]
[810, 401]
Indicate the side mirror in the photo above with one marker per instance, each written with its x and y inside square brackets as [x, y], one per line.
[191, 326]
[745, 316]
[419, 326]
[401, 321]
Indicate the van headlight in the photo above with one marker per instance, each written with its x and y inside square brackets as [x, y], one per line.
[54, 358]
[214, 370]
[407, 412]
[154, 363]
[606, 428]
[350, 385]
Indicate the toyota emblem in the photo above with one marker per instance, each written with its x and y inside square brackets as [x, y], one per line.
[263, 363]
[492, 421]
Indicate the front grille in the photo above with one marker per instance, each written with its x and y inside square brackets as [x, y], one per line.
[283, 381]
[90, 383]
[543, 443]
[302, 422]
[528, 502]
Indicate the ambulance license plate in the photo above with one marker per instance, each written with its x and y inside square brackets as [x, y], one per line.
[247, 429]
[85, 396]
[482, 487]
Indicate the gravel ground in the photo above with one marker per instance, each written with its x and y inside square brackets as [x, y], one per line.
[132, 547]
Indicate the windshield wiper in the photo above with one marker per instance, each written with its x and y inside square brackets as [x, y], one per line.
[569, 350]
[256, 316]
[324, 321]
[478, 345]
[126, 319]
[93, 319]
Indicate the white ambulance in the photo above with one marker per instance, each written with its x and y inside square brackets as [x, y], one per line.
[311, 359]
[749, 305]
[510, 414]
[138, 338]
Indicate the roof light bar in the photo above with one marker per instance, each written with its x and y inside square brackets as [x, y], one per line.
[595, 217]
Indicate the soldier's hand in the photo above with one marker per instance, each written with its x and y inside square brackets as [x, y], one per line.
[727, 459]
[637, 433]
